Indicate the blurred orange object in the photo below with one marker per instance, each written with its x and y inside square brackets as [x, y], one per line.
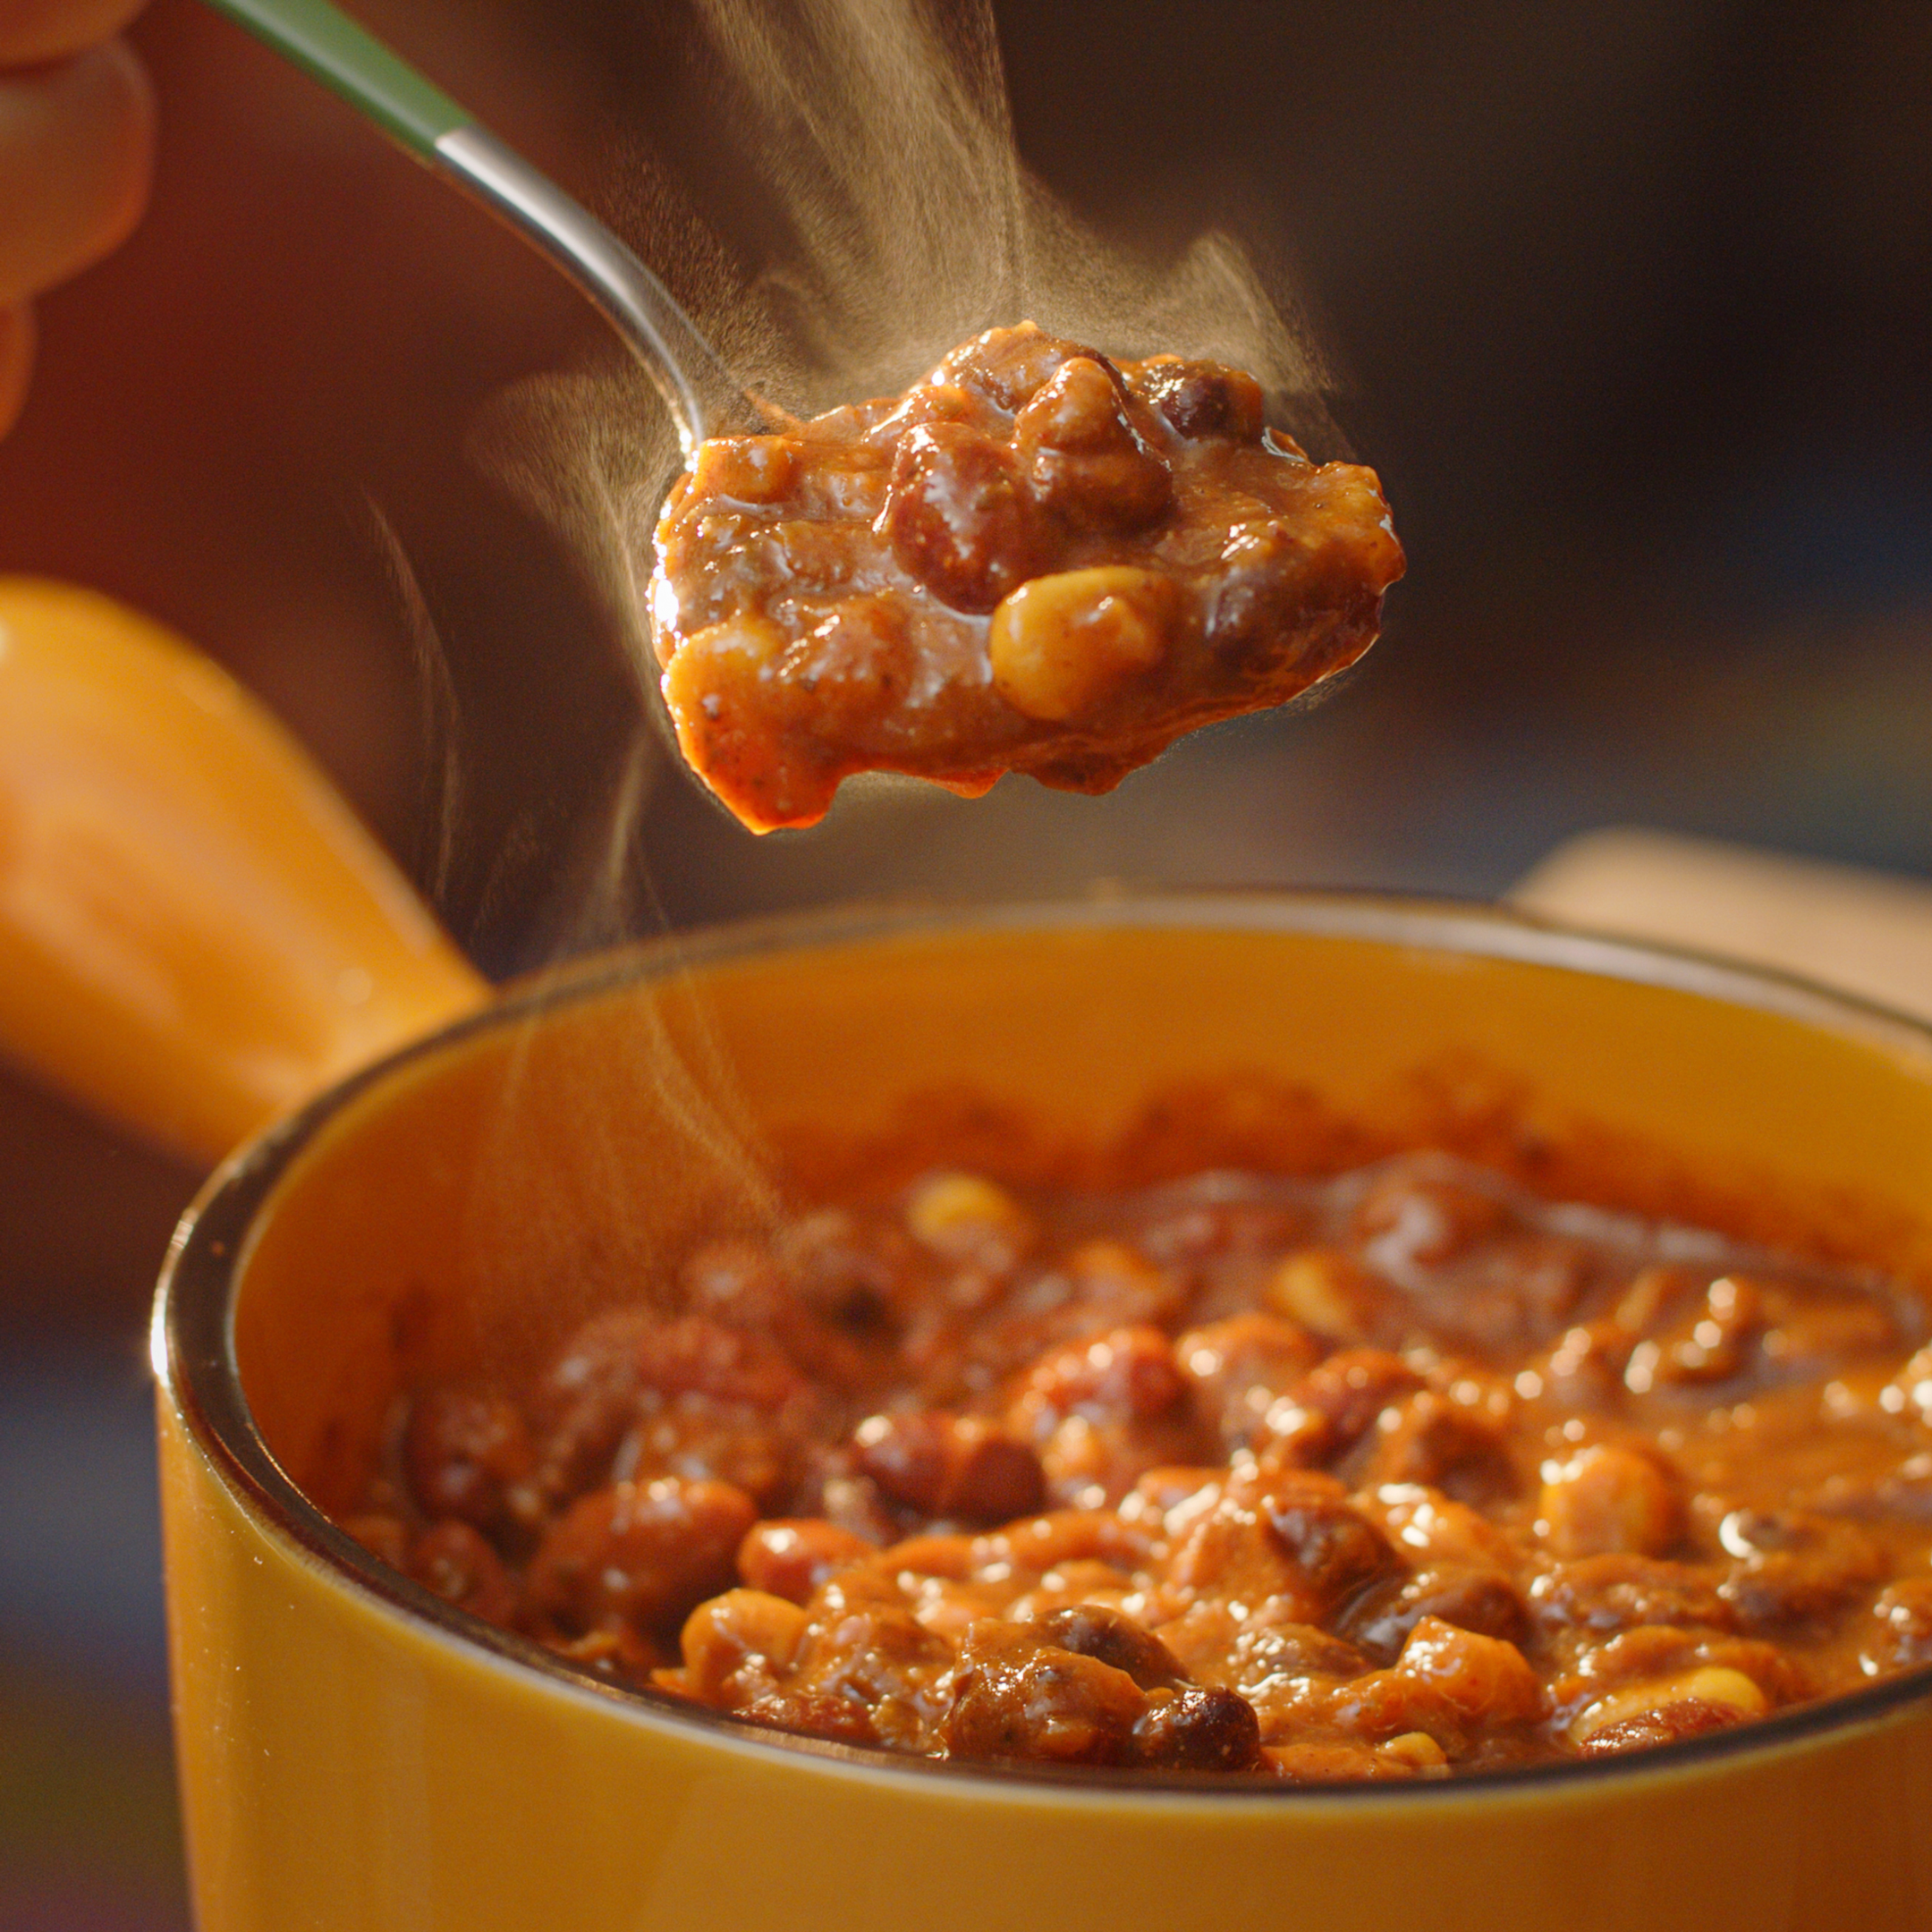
[1862, 932]
[195, 933]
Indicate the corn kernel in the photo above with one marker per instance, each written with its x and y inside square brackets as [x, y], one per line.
[1325, 1289]
[1715, 1685]
[951, 1211]
[1062, 645]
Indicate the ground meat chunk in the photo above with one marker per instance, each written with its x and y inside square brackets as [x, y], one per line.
[1796, 1568]
[1037, 560]
[1481, 1600]
[1018, 1696]
[1618, 1593]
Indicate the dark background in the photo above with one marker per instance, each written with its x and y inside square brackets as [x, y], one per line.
[1631, 305]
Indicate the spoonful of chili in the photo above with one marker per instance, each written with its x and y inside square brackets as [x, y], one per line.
[1036, 559]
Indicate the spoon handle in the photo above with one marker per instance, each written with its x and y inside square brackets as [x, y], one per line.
[346, 58]
[323, 42]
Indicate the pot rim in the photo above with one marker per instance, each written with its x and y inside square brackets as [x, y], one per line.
[193, 1341]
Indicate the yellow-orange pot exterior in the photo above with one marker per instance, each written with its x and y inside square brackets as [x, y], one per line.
[354, 1756]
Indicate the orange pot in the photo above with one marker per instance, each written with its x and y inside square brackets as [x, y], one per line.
[357, 1754]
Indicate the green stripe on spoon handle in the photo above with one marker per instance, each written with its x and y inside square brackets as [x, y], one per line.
[345, 57]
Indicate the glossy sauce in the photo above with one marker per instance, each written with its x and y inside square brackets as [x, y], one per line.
[1396, 1475]
[1037, 560]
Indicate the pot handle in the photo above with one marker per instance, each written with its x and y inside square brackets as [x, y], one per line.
[196, 933]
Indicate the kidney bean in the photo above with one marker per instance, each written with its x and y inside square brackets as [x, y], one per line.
[791, 1558]
[1352, 1388]
[464, 1452]
[958, 517]
[645, 1553]
[951, 1466]
[1199, 1728]
[1203, 399]
[1091, 1629]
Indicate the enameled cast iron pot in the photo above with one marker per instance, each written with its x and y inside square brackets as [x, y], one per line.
[358, 1755]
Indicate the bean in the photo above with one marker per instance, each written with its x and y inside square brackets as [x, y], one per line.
[1041, 1542]
[818, 1713]
[744, 1634]
[951, 1466]
[1093, 1631]
[1330, 1292]
[1061, 646]
[1204, 399]
[457, 1563]
[464, 1451]
[735, 1282]
[1336, 1549]
[1657, 1724]
[1729, 1696]
[1199, 1728]
[965, 1217]
[1128, 1374]
[1609, 1499]
[958, 518]
[1427, 1526]
[1238, 1368]
[692, 1356]
[640, 1553]
[1352, 1388]
[791, 1558]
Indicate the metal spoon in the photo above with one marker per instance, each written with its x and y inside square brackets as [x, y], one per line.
[424, 122]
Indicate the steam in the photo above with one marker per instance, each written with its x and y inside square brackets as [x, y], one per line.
[881, 137]
[886, 136]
